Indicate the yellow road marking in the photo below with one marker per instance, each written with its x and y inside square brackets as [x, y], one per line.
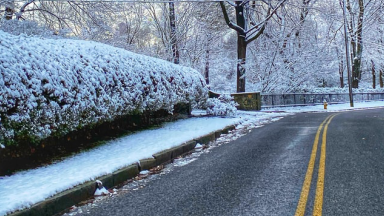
[300, 210]
[318, 207]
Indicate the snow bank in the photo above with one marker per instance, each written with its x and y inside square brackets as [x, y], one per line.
[53, 86]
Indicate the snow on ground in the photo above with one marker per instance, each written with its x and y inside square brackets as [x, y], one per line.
[330, 108]
[26, 188]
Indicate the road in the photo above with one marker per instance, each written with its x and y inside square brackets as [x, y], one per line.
[304, 164]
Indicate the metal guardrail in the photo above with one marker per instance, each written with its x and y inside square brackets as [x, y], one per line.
[268, 100]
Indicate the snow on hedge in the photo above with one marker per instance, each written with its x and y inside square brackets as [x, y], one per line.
[224, 105]
[53, 86]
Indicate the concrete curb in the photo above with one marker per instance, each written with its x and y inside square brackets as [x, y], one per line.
[64, 200]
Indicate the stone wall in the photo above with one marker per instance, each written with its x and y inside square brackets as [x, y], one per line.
[248, 100]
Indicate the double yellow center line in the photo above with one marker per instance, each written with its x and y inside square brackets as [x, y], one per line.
[318, 206]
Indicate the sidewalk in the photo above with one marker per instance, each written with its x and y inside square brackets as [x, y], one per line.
[25, 189]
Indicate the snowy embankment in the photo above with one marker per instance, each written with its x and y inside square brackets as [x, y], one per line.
[53, 86]
[23, 189]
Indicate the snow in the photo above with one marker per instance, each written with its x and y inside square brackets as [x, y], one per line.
[53, 86]
[223, 105]
[330, 108]
[100, 189]
[144, 172]
[49, 84]
[100, 192]
[198, 146]
[26, 188]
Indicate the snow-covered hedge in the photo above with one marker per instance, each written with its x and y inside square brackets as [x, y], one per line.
[224, 105]
[51, 87]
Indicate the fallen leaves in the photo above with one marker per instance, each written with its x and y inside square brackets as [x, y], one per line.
[156, 170]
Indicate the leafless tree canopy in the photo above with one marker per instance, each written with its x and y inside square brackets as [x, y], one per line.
[276, 45]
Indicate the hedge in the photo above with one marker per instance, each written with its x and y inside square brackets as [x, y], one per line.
[49, 87]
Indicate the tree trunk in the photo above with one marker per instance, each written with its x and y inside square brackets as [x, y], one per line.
[341, 67]
[341, 73]
[206, 69]
[241, 55]
[241, 48]
[9, 9]
[357, 46]
[172, 21]
[356, 72]
[381, 78]
[303, 15]
[8, 13]
[242, 40]
[373, 75]
[253, 4]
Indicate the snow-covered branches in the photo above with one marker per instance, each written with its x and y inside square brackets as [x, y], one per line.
[224, 105]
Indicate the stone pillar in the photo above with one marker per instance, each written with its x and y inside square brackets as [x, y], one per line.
[248, 100]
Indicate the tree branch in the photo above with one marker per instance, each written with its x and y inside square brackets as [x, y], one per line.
[50, 13]
[22, 9]
[229, 23]
[249, 40]
[231, 3]
[244, 3]
[269, 16]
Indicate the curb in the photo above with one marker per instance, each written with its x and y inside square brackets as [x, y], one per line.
[64, 200]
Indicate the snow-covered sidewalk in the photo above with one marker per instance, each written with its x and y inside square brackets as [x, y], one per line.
[26, 188]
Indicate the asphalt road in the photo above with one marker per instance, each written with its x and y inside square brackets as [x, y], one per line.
[263, 173]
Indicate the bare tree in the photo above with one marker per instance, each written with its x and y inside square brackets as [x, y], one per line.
[341, 66]
[172, 22]
[248, 30]
[381, 78]
[169, 31]
[281, 46]
[355, 30]
[373, 69]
